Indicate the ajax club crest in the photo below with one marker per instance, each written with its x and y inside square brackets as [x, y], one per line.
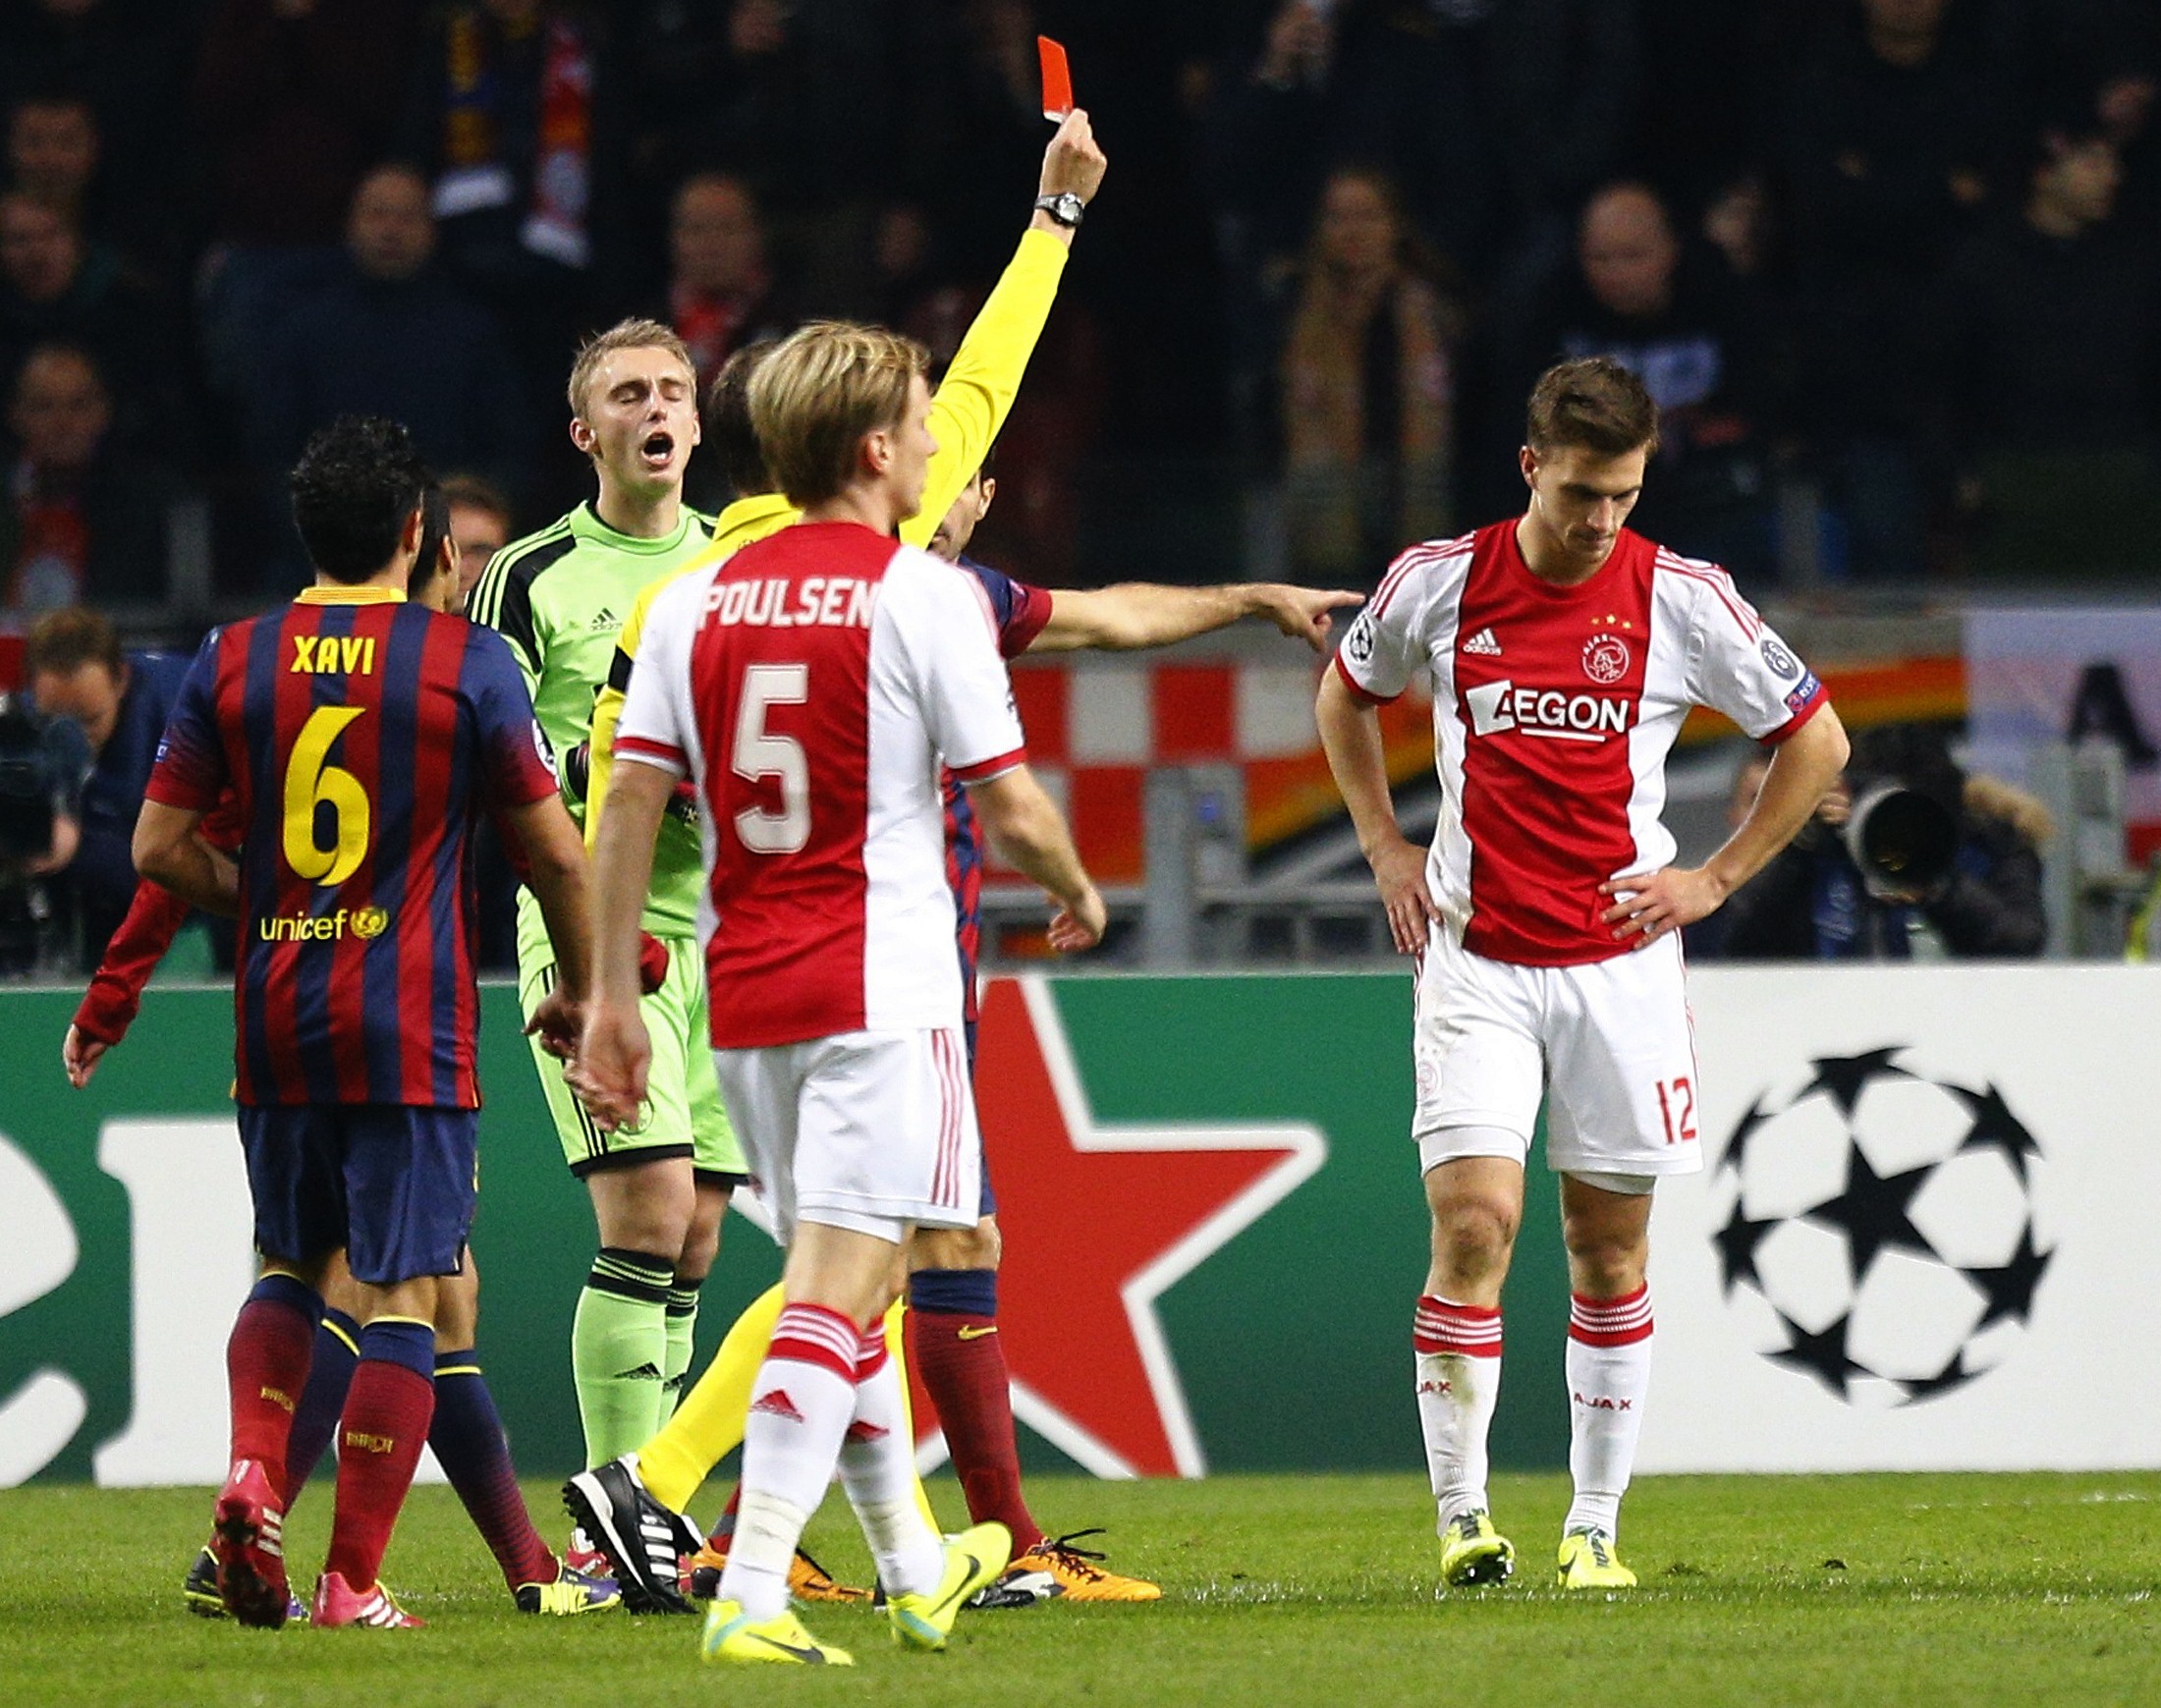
[1605, 658]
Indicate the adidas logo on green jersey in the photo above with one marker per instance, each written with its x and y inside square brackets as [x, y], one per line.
[604, 620]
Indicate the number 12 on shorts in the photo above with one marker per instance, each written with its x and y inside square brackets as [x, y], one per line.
[1677, 1108]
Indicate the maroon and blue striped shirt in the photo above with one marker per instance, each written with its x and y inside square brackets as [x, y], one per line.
[364, 739]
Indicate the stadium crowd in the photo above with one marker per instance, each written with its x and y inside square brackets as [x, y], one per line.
[479, 223]
[1894, 254]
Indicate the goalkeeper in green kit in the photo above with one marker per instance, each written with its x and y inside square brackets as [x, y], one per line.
[558, 596]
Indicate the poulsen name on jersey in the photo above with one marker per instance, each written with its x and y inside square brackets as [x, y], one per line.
[822, 602]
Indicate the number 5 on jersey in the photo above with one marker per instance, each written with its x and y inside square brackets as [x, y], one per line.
[312, 783]
[757, 754]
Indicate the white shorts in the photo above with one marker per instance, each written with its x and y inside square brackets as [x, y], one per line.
[1608, 1046]
[874, 1132]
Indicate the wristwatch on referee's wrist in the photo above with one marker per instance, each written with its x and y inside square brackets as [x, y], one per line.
[1064, 208]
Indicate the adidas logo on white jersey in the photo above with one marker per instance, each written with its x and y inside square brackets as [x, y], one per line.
[1483, 644]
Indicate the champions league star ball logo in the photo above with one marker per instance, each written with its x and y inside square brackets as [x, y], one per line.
[1881, 1235]
[1360, 641]
[1605, 658]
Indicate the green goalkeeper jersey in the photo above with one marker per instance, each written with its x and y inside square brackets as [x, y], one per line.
[558, 597]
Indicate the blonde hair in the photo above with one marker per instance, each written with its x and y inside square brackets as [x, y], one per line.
[631, 334]
[818, 391]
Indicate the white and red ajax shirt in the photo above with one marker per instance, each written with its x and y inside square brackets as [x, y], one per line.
[1553, 711]
[812, 685]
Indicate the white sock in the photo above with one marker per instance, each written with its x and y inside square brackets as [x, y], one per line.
[878, 1471]
[803, 1398]
[1609, 1373]
[1458, 1363]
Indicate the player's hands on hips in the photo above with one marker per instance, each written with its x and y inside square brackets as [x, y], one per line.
[79, 1054]
[1082, 924]
[1399, 868]
[608, 1073]
[1650, 904]
[1072, 161]
[1303, 613]
[557, 1022]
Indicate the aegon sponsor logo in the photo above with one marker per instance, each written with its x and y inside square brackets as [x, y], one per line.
[841, 602]
[1500, 706]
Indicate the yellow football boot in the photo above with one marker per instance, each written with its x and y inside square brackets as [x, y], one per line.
[973, 1560]
[1473, 1552]
[731, 1635]
[1588, 1561]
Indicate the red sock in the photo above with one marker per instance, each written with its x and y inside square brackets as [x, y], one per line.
[379, 1440]
[963, 1365]
[266, 1363]
[723, 1531]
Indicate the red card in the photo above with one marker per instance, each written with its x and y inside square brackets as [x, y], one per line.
[1057, 81]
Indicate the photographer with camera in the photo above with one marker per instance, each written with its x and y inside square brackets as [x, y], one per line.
[43, 761]
[1907, 858]
[78, 674]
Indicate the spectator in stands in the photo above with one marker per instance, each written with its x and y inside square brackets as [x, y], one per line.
[289, 104]
[480, 526]
[1813, 903]
[720, 290]
[1368, 393]
[1677, 320]
[43, 760]
[720, 281]
[1888, 145]
[83, 522]
[392, 337]
[511, 115]
[1565, 79]
[824, 105]
[74, 669]
[916, 293]
[52, 152]
[1738, 222]
[2051, 369]
[55, 284]
[1343, 83]
[126, 58]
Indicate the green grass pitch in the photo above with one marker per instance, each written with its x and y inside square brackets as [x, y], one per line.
[1879, 1591]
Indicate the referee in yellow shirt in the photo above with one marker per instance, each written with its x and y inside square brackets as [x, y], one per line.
[967, 414]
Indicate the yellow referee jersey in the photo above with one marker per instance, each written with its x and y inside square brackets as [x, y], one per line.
[967, 412]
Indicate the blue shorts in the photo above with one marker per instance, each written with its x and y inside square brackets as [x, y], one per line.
[987, 1205]
[392, 1182]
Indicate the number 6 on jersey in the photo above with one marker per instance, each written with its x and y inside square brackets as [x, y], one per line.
[757, 754]
[311, 782]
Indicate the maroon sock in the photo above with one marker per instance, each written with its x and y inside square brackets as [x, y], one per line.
[266, 1363]
[385, 1426]
[723, 1532]
[963, 1365]
[469, 1444]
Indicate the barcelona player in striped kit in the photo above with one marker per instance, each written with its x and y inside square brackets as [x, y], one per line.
[466, 1433]
[362, 736]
